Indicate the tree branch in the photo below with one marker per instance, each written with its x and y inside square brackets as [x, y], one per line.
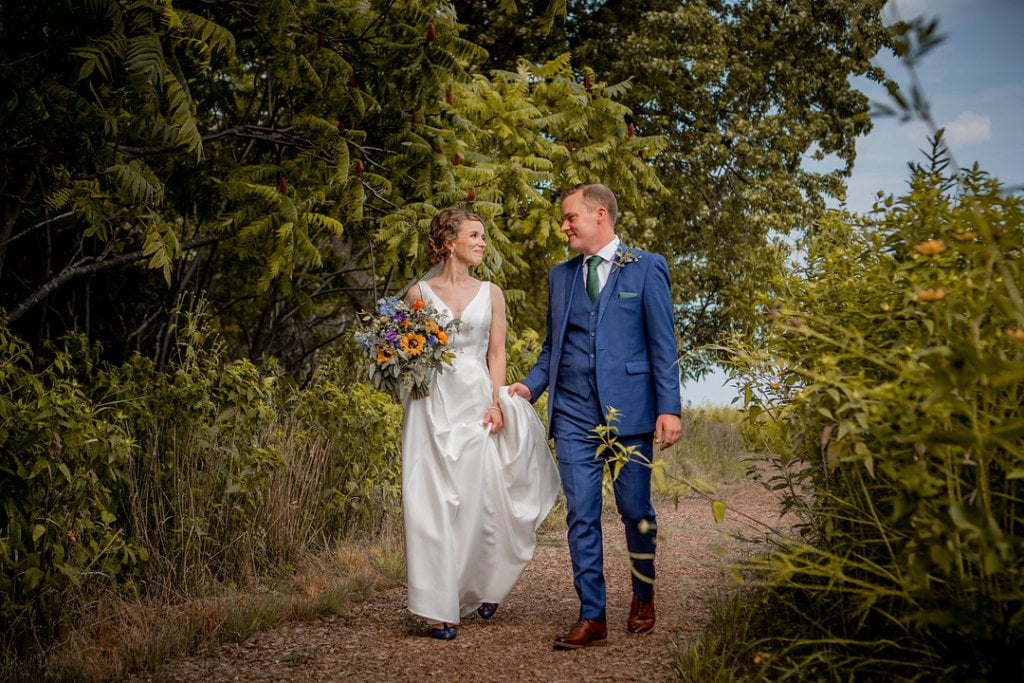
[90, 266]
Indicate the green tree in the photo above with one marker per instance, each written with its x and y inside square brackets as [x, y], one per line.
[759, 119]
[283, 158]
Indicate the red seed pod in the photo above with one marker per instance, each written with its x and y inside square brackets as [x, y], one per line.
[471, 195]
[571, 147]
[415, 117]
[352, 80]
[631, 129]
[456, 159]
[341, 126]
[588, 82]
[359, 167]
[320, 39]
[282, 185]
[431, 33]
[450, 99]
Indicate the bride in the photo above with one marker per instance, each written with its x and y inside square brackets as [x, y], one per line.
[477, 475]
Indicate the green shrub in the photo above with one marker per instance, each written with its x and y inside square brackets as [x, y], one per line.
[895, 373]
[63, 458]
[209, 473]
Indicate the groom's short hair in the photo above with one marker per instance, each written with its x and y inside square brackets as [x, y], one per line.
[595, 195]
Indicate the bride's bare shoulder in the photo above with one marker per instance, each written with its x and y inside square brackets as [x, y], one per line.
[414, 293]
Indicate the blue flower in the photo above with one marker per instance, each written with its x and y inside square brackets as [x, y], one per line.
[364, 339]
[387, 305]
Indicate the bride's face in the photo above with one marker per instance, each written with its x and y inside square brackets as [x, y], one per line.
[471, 243]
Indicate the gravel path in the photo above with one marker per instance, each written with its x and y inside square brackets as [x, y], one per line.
[378, 640]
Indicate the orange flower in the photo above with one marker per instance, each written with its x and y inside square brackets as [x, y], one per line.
[1016, 334]
[442, 337]
[964, 236]
[930, 295]
[930, 247]
[413, 343]
[72, 536]
[418, 304]
[384, 354]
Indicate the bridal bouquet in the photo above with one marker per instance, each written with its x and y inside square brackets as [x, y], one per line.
[405, 344]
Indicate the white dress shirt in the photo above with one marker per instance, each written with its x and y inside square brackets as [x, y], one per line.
[604, 269]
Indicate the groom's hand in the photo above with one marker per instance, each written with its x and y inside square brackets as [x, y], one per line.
[667, 430]
[520, 389]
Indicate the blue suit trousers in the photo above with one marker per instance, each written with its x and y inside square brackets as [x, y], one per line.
[573, 419]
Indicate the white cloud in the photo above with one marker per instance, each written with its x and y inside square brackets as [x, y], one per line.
[968, 128]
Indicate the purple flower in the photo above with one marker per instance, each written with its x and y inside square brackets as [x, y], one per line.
[391, 336]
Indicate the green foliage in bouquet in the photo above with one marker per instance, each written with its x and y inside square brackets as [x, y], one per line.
[894, 370]
[405, 345]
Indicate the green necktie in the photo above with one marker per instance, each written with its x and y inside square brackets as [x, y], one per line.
[593, 280]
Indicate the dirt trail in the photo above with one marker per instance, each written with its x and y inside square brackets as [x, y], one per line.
[379, 641]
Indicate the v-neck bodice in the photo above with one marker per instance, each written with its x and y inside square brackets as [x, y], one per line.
[473, 335]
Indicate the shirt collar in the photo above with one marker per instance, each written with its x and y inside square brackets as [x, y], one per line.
[607, 252]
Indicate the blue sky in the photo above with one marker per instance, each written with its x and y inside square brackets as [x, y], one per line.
[974, 82]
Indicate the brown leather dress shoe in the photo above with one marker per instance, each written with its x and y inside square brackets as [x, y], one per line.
[585, 632]
[641, 615]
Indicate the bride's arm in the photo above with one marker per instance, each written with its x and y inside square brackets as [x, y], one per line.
[496, 359]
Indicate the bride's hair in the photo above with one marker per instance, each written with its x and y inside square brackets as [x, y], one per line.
[443, 229]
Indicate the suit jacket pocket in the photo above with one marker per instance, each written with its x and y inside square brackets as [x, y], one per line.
[627, 295]
[638, 367]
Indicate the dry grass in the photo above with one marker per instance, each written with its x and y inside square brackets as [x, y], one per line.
[117, 636]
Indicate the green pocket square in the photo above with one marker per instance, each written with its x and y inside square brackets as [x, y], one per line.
[627, 295]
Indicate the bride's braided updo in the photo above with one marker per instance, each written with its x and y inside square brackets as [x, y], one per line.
[444, 228]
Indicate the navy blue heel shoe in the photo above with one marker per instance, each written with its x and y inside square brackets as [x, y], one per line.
[444, 632]
[487, 609]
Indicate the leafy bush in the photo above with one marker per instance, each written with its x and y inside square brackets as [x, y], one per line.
[210, 472]
[63, 462]
[895, 374]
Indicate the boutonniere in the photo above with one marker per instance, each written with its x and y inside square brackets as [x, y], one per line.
[623, 256]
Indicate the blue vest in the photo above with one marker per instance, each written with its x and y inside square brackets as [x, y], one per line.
[577, 367]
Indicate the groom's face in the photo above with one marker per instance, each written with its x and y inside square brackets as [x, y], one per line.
[586, 227]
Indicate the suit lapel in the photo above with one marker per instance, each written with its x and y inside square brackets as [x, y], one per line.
[611, 288]
[572, 278]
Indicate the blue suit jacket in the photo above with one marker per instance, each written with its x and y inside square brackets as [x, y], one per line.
[637, 358]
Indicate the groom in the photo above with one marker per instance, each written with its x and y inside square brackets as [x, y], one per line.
[610, 343]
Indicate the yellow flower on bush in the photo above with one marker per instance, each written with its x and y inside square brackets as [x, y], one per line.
[966, 236]
[930, 295]
[1016, 334]
[930, 247]
[413, 343]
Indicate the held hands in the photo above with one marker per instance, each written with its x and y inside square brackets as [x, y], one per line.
[667, 430]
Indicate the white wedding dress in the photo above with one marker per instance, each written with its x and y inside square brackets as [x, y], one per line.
[472, 500]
